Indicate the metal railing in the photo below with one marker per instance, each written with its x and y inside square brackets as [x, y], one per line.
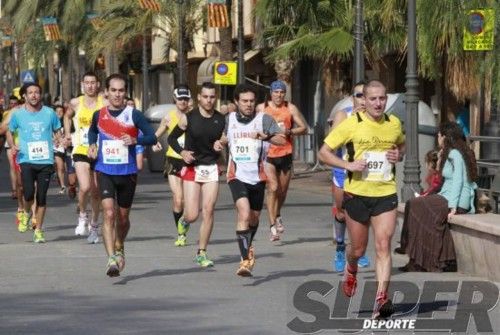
[486, 166]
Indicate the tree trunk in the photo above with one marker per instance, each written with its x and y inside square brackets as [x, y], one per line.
[226, 37]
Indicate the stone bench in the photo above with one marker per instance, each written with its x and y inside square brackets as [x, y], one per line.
[477, 243]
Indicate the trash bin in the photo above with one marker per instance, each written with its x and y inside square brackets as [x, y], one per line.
[154, 115]
[427, 130]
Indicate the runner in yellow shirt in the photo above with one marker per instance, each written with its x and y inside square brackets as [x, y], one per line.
[374, 143]
[182, 95]
[81, 110]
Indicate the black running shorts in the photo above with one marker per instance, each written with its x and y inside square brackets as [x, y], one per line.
[283, 163]
[85, 159]
[39, 173]
[254, 193]
[120, 187]
[361, 208]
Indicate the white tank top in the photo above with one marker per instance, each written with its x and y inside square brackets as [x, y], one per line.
[245, 153]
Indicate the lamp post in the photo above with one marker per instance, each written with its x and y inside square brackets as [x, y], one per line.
[145, 73]
[411, 166]
[359, 59]
[181, 65]
[241, 45]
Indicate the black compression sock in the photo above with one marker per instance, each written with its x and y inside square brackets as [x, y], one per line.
[177, 216]
[243, 237]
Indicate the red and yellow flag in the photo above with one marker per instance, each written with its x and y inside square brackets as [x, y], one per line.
[150, 4]
[217, 14]
[51, 29]
[96, 21]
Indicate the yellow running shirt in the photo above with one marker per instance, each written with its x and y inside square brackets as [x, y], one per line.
[82, 122]
[173, 121]
[370, 140]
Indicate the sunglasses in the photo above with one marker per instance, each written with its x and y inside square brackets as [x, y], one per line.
[358, 95]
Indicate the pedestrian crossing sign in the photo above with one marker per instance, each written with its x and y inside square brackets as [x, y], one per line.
[28, 76]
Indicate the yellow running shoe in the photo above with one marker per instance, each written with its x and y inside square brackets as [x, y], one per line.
[23, 223]
[181, 241]
[38, 236]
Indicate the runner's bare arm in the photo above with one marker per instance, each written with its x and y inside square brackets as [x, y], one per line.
[299, 122]
[163, 127]
[10, 141]
[5, 125]
[259, 108]
[70, 113]
[340, 116]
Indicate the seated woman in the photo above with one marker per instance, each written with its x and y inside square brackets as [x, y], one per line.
[430, 245]
[434, 182]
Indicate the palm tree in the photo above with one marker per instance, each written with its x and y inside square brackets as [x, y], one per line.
[124, 21]
[27, 26]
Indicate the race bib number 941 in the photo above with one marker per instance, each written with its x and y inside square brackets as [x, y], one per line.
[377, 168]
[114, 152]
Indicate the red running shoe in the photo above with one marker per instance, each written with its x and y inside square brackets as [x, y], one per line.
[349, 284]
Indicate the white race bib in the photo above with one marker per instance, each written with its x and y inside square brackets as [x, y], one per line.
[181, 141]
[206, 173]
[378, 167]
[38, 150]
[244, 150]
[84, 136]
[114, 152]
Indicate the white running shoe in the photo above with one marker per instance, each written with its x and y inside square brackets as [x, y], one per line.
[93, 237]
[81, 228]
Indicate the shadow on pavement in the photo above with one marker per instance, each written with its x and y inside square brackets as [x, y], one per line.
[287, 274]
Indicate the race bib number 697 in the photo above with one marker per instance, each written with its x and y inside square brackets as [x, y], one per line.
[377, 168]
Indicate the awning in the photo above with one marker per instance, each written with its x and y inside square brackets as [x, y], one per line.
[206, 71]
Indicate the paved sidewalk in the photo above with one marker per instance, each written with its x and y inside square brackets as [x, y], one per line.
[61, 288]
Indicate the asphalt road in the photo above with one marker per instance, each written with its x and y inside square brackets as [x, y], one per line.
[60, 287]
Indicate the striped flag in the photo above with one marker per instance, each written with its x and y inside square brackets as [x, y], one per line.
[150, 4]
[51, 29]
[217, 14]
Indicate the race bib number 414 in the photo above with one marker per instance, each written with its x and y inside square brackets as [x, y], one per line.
[38, 150]
[377, 168]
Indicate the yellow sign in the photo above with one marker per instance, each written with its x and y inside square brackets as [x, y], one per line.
[225, 73]
[478, 35]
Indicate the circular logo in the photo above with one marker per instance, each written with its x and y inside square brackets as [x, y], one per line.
[476, 23]
[222, 69]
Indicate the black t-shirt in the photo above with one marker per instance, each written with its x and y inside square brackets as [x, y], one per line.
[201, 133]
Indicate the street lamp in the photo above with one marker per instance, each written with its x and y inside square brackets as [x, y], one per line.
[411, 166]
[145, 73]
[359, 59]
[241, 45]
[181, 76]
